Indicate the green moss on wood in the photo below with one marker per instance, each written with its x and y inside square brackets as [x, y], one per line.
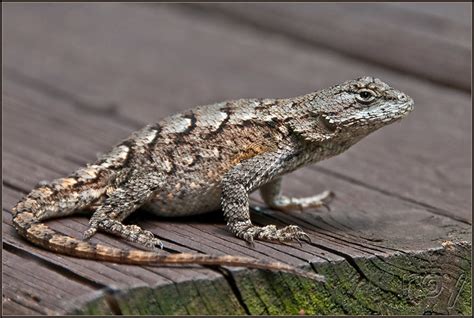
[434, 281]
[96, 307]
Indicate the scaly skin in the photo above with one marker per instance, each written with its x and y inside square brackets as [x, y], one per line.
[208, 158]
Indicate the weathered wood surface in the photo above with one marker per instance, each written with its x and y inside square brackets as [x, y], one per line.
[428, 40]
[78, 78]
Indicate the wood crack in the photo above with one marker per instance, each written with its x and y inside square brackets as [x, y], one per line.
[227, 275]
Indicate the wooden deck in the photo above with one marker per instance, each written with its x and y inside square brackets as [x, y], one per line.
[78, 78]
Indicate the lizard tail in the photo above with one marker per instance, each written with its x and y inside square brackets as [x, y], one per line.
[61, 197]
[41, 235]
[66, 196]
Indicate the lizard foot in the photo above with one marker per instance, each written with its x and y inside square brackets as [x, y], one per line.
[132, 233]
[271, 233]
[143, 237]
[290, 204]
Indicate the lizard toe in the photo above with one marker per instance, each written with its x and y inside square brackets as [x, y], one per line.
[89, 233]
[293, 233]
[152, 244]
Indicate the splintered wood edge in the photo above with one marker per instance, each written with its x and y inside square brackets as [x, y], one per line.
[434, 281]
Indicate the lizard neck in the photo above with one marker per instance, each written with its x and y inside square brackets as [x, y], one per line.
[313, 152]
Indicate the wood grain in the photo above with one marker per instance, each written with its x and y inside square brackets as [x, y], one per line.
[432, 41]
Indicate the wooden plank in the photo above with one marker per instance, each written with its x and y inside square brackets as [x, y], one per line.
[32, 288]
[43, 114]
[439, 122]
[10, 306]
[430, 40]
[459, 12]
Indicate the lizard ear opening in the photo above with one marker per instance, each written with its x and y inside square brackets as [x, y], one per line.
[324, 124]
[318, 129]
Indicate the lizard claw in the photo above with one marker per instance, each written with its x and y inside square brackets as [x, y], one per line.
[305, 237]
[326, 206]
[251, 242]
[154, 245]
[299, 241]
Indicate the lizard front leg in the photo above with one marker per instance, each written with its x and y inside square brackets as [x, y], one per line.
[247, 176]
[272, 195]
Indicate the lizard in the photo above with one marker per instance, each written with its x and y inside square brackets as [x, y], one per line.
[208, 158]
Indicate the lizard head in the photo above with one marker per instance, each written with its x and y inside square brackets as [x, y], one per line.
[360, 106]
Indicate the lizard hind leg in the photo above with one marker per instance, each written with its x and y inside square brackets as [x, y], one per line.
[271, 194]
[120, 203]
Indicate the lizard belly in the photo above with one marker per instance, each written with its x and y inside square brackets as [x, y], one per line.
[189, 202]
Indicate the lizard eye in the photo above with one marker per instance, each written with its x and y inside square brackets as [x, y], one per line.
[365, 96]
